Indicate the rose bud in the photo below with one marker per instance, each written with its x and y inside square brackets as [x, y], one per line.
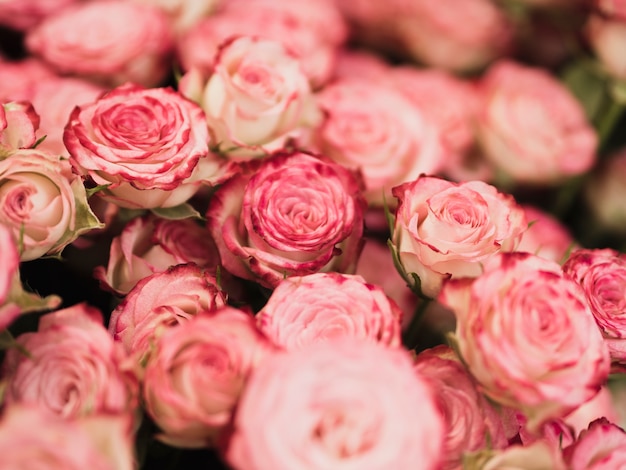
[605, 192]
[73, 367]
[161, 301]
[472, 423]
[445, 229]
[43, 202]
[296, 215]
[256, 97]
[148, 146]
[197, 372]
[24, 14]
[602, 275]
[110, 41]
[526, 334]
[530, 120]
[150, 245]
[601, 446]
[18, 124]
[372, 127]
[546, 236]
[342, 404]
[322, 306]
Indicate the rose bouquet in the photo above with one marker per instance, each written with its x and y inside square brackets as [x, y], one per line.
[314, 234]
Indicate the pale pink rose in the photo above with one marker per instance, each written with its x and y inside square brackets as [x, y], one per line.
[18, 124]
[74, 368]
[19, 78]
[161, 301]
[607, 36]
[373, 128]
[31, 437]
[602, 275]
[183, 14]
[526, 334]
[197, 372]
[54, 100]
[150, 245]
[600, 406]
[531, 126]
[601, 447]
[43, 202]
[310, 29]
[24, 14]
[344, 404]
[605, 192]
[539, 455]
[324, 306]
[546, 236]
[444, 229]
[9, 268]
[111, 41]
[149, 145]
[297, 214]
[472, 423]
[256, 97]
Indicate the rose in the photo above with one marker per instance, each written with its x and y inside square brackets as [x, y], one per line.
[605, 192]
[371, 126]
[606, 31]
[529, 120]
[43, 202]
[182, 13]
[18, 124]
[600, 406]
[197, 372]
[31, 437]
[472, 423]
[9, 268]
[255, 98]
[323, 306]
[161, 301]
[601, 446]
[112, 41]
[602, 275]
[297, 214]
[150, 146]
[445, 229]
[150, 245]
[24, 14]
[73, 367]
[341, 404]
[526, 334]
[546, 236]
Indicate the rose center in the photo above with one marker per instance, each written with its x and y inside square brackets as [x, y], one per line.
[345, 433]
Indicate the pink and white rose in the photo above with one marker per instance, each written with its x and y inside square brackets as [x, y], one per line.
[197, 372]
[297, 214]
[448, 230]
[18, 125]
[601, 446]
[526, 334]
[319, 307]
[110, 41]
[342, 404]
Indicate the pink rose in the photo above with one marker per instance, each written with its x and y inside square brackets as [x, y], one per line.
[546, 236]
[43, 202]
[24, 14]
[445, 229]
[73, 368]
[31, 437]
[183, 14]
[322, 306]
[297, 214]
[344, 404]
[371, 127]
[150, 245]
[526, 334]
[602, 446]
[197, 372]
[9, 268]
[18, 124]
[112, 41]
[602, 275]
[605, 192]
[556, 432]
[256, 97]
[539, 455]
[600, 406]
[149, 145]
[19, 78]
[359, 64]
[161, 301]
[531, 127]
[606, 31]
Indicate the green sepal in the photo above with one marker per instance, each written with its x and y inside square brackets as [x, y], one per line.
[39, 141]
[91, 191]
[182, 211]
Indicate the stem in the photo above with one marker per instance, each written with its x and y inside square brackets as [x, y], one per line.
[409, 338]
[607, 122]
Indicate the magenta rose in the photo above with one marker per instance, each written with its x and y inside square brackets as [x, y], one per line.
[530, 120]
[600, 447]
[198, 369]
[342, 404]
[73, 368]
[472, 423]
[149, 146]
[323, 306]
[161, 301]
[602, 275]
[546, 236]
[526, 334]
[111, 41]
[297, 214]
[444, 229]
[150, 244]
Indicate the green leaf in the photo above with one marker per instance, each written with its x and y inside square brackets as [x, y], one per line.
[182, 211]
[7, 341]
